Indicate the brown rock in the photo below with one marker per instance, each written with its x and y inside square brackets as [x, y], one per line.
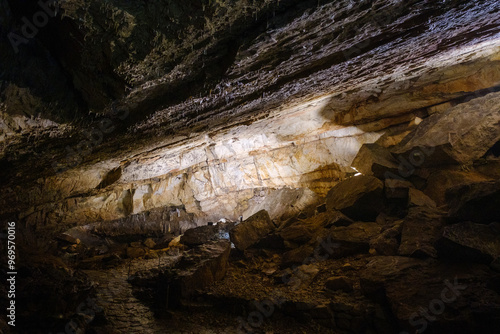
[421, 229]
[440, 181]
[68, 238]
[200, 235]
[339, 283]
[359, 197]
[387, 243]
[476, 202]
[134, 252]
[470, 242]
[199, 269]
[460, 135]
[375, 160]
[352, 239]
[418, 198]
[252, 230]
[296, 256]
[149, 243]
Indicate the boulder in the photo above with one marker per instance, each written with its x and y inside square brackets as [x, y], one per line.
[381, 269]
[352, 239]
[433, 296]
[421, 229]
[250, 231]
[439, 181]
[339, 283]
[297, 255]
[477, 202]
[359, 197]
[68, 238]
[200, 235]
[387, 242]
[337, 218]
[375, 160]
[149, 243]
[418, 198]
[470, 242]
[460, 135]
[135, 252]
[201, 267]
[300, 231]
[397, 189]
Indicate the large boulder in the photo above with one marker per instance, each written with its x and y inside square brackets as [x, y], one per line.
[200, 268]
[359, 197]
[441, 180]
[387, 242]
[460, 135]
[352, 239]
[200, 235]
[477, 202]
[433, 297]
[421, 229]
[252, 230]
[470, 242]
[375, 160]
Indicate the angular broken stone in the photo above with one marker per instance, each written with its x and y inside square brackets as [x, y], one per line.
[250, 231]
[375, 160]
[352, 239]
[387, 242]
[200, 268]
[339, 283]
[149, 243]
[470, 242]
[421, 229]
[460, 135]
[200, 235]
[359, 197]
[418, 198]
[477, 202]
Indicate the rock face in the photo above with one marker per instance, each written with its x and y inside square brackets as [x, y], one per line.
[359, 197]
[127, 126]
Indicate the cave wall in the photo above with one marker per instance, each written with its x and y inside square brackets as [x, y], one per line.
[225, 103]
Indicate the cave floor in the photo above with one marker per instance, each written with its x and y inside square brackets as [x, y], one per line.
[217, 310]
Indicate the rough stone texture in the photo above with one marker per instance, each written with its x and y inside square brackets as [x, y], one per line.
[200, 235]
[441, 180]
[339, 283]
[359, 197]
[250, 231]
[477, 202]
[373, 159]
[201, 268]
[421, 229]
[410, 285]
[352, 239]
[470, 242]
[256, 106]
[461, 135]
[387, 243]
[418, 198]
